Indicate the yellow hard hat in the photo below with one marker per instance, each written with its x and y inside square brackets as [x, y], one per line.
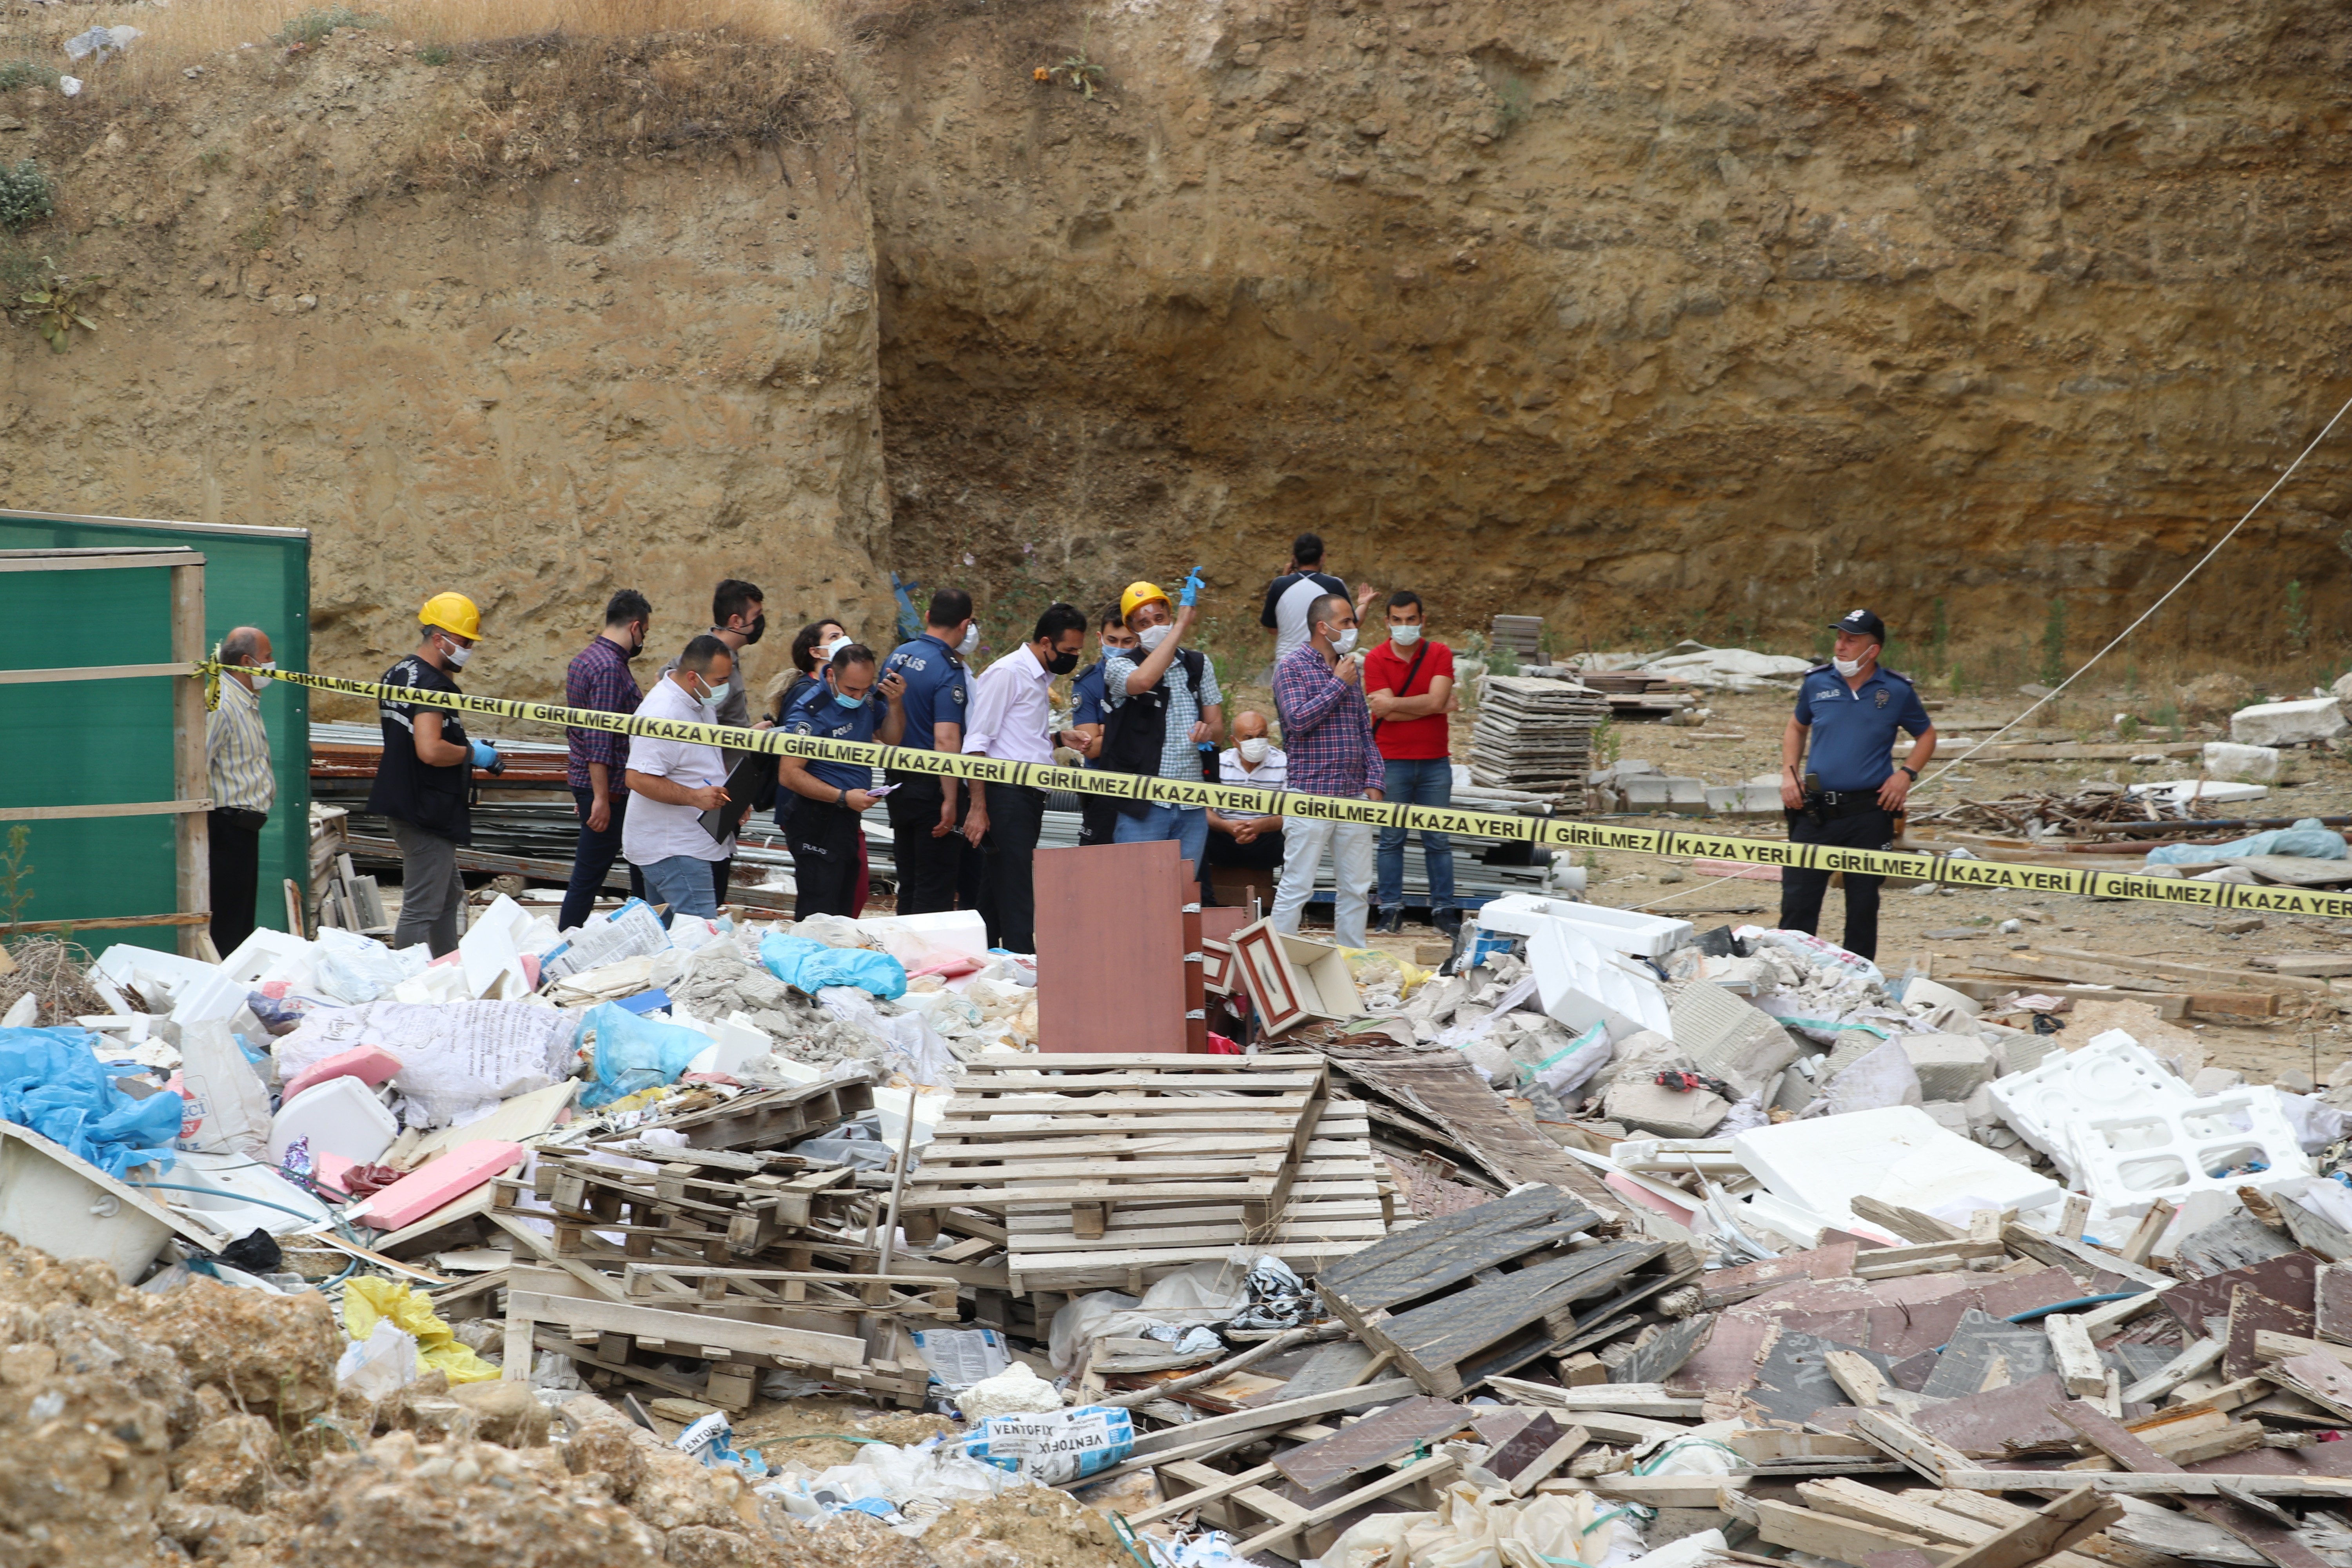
[1137, 595]
[453, 614]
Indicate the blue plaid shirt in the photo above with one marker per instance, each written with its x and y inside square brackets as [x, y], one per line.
[1327, 728]
[1179, 756]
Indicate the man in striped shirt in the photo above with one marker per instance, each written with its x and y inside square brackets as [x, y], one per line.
[237, 755]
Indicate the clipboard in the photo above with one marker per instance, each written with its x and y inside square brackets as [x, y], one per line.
[742, 781]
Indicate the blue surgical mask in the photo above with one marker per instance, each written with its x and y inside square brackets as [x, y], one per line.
[846, 700]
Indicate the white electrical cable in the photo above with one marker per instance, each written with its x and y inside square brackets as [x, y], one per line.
[2151, 610]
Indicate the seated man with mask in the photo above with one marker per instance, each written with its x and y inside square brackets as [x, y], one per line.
[1241, 842]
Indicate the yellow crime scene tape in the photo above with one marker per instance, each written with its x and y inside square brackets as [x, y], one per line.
[1555, 832]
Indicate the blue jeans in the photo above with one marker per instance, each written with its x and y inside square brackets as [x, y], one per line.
[1421, 781]
[593, 858]
[1187, 825]
[683, 883]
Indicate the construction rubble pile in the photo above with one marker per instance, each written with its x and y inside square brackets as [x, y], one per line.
[1610, 1239]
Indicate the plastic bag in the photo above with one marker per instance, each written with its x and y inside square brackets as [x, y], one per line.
[1566, 1071]
[382, 1361]
[634, 1053]
[1057, 1448]
[2309, 838]
[50, 1082]
[1278, 1299]
[961, 1357]
[811, 966]
[356, 969]
[371, 1303]
[228, 1109]
[1196, 1293]
[913, 1047]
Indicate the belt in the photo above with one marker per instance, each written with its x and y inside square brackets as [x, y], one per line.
[1850, 802]
[243, 816]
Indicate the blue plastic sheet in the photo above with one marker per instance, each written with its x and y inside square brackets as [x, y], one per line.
[51, 1082]
[2310, 839]
[812, 966]
[633, 1053]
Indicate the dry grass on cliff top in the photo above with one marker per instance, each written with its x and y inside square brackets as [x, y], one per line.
[188, 32]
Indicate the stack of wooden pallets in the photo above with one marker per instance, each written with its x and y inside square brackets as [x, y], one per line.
[1116, 1169]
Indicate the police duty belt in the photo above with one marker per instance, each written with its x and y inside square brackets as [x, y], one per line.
[1557, 833]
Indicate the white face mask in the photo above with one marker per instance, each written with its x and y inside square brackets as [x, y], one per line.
[1848, 667]
[710, 700]
[1404, 637]
[825, 653]
[1255, 749]
[1152, 636]
[458, 656]
[1344, 643]
[1112, 650]
[970, 644]
[260, 673]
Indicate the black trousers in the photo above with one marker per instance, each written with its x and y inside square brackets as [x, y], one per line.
[1098, 817]
[933, 873]
[823, 838]
[1801, 891]
[1008, 890]
[236, 840]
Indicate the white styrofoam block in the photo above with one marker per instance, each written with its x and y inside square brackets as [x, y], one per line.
[1897, 1155]
[1627, 931]
[433, 984]
[212, 997]
[491, 950]
[2174, 1149]
[2176, 791]
[341, 1116]
[1581, 984]
[734, 1044]
[2288, 723]
[256, 954]
[123, 962]
[910, 938]
[2111, 1073]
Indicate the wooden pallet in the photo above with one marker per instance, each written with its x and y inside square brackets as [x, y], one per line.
[1476, 1294]
[771, 1118]
[724, 1215]
[1340, 1201]
[1090, 1135]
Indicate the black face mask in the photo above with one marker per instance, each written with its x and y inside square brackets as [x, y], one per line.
[1063, 663]
[756, 630]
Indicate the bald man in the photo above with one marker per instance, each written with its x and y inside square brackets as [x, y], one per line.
[237, 754]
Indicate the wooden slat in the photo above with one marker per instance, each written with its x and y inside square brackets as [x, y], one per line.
[116, 808]
[91, 672]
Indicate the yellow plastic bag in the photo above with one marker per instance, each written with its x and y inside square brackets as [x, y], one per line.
[368, 1299]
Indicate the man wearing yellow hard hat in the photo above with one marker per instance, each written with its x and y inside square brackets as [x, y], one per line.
[425, 781]
[1162, 705]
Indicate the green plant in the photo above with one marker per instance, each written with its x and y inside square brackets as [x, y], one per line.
[15, 74]
[14, 894]
[2053, 644]
[1823, 644]
[1075, 72]
[1958, 681]
[1607, 741]
[2129, 729]
[25, 194]
[321, 22]
[60, 303]
[2298, 615]
[2168, 718]
[260, 230]
[434, 53]
[1513, 100]
[1939, 640]
[1501, 660]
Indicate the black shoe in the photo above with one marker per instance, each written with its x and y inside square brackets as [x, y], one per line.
[1390, 922]
[1448, 923]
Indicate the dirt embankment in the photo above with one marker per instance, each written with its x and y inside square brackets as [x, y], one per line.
[1705, 316]
[534, 322]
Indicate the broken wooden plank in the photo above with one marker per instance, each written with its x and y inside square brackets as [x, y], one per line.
[2195, 1362]
[1902, 1441]
[1827, 1535]
[2061, 1524]
[2079, 1367]
[1372, 1442]
[2239, 1519]
[1281, 1412]
[2058, 1252]
[1533, 1452]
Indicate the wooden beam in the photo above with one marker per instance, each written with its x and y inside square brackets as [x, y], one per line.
[2153, 1484]
[1281, 1413]
[2058, 1526]
[2196, 1360]
[2202, 974]
[2058, 1252]
[1845, 1540]
[2141, 1244]
[91, 672]
[2078, 1360]
[191, 767]
[1902, 1441]
[95, 561]
[2264, 1535]
[197, 806]
[690, 1328]
[109, 923]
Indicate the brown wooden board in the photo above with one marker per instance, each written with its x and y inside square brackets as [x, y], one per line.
[2234, 1241]
[1110, 928]
[1372, 1442]
[1499, 1324]
[2333, 1298]
[1665, 1352]
[2001, 1423]
[2256, 1531]
[1510, 1460]
[2252, 1312]
[1440, 1253]
[2289, 1280]
[1726, 1285]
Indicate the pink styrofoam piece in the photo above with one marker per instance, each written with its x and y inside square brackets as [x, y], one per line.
[422, 1190]
[369, 1064]
[329, 1169]
[1634, 1190]
[531, 969]
[452, 956]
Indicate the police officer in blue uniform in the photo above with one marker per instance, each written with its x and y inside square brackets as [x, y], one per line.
[1852, 709]
[925, 811]
[1097, 816]
[818, 804]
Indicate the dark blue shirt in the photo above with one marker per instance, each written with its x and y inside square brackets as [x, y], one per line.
[936, 691]
[1853, 731]
[1086, 692]
[815, 712]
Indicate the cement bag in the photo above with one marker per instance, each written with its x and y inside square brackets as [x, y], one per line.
[1565, 1070]
[457, 1060]
[228, 1109]
[1055, 1449]
[1878, 1078]
[355, 969]
[910, 1044]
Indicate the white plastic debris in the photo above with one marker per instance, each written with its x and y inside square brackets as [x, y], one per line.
[1898, 1155]
[2111, 1073]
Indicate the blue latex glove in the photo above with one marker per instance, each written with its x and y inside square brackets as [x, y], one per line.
[485, 754]
[1192, 589]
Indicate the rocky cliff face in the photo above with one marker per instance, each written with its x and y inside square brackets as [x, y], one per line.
[1722, 315]
[534, 325]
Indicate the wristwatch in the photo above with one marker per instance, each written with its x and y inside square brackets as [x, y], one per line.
[841, 797]
[1904, 768]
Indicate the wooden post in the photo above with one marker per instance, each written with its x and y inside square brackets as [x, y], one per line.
[191, 774]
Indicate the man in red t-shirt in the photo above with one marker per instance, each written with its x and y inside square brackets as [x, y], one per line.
[1409, 684]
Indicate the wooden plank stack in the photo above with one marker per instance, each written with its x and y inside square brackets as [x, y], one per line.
[1117, 1169]
[1536, 735]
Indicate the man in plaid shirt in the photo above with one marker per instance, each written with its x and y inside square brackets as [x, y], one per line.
[599, 680]
[1327, 732]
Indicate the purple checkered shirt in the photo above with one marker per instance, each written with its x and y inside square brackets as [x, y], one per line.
[1327, 729]
[598, 679]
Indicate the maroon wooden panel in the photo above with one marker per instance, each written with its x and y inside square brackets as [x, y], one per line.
[1110, 934]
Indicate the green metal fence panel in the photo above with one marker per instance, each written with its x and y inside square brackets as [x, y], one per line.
[91, 742]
